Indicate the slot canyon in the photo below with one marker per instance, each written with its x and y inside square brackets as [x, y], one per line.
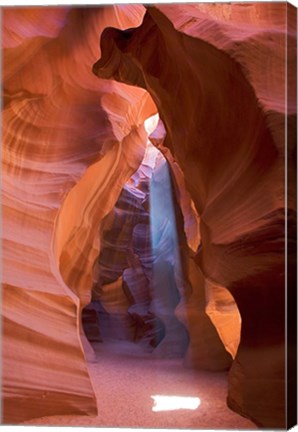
[149, 215]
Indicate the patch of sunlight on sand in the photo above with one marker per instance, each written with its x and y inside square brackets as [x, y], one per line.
[171, 403]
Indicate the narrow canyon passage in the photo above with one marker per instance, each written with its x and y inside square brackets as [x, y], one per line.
[138, 277]
[170, 263]
[138, 372]
[125, 379]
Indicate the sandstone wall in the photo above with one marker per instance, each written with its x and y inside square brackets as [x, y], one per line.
[67, 152]
[217, 75]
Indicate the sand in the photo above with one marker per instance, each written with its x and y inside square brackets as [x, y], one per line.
[125, 379]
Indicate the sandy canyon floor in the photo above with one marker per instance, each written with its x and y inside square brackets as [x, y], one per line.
[125, 380]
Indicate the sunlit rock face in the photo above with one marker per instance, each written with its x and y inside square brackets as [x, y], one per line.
[223, 105]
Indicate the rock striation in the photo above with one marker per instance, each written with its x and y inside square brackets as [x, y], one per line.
[228, 138]
[63, 169]
[78, 87]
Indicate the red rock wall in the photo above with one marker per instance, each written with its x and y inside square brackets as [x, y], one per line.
[217, 76]
[71, 140]
[63, 169]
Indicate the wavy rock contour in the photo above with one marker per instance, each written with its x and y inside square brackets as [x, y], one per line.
[224, 112]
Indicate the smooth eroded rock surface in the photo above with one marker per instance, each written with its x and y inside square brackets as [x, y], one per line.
[63, 169]
[223, 106]
[79, 85]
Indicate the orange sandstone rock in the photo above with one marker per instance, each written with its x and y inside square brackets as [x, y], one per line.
[61, 145]
[217, 75]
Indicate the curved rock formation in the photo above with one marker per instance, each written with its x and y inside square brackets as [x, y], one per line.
[57, 123]
[225, 119]
[72, 140]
